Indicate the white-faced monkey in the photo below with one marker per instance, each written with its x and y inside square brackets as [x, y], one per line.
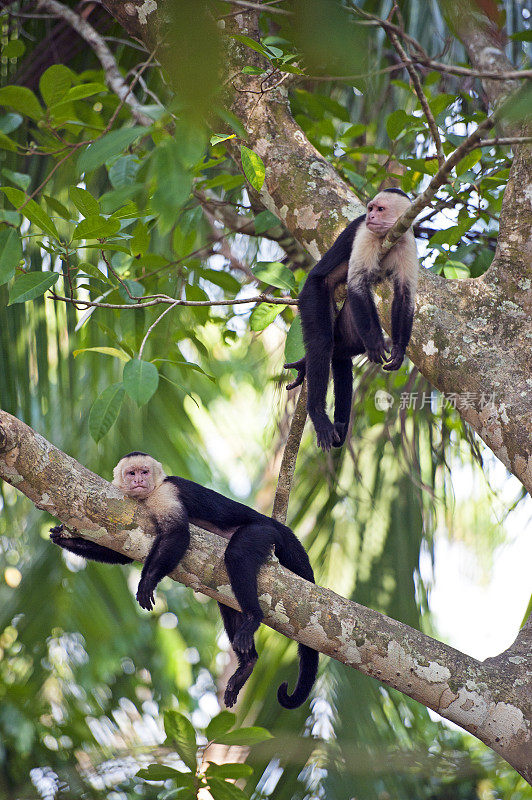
[175, 502]
[357, 328]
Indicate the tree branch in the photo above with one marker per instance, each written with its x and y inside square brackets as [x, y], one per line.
[409, 64]
[164, 299]
[491, 701]
[288, 462]
[439, 179]
[113, 77]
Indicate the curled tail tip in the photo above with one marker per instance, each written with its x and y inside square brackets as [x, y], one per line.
[289, 701]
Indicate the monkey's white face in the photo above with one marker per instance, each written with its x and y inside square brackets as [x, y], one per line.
[383, 211]
[138, 481]
[138, 476]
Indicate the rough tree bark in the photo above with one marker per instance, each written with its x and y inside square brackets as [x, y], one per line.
[490, 699]
[471, 337]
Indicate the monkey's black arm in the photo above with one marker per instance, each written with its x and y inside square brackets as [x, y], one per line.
[366, 319]
[171, 542]
[86, 548]
[402, 321]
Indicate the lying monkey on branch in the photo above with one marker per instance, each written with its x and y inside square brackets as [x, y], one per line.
[357, 329]
[174, 503]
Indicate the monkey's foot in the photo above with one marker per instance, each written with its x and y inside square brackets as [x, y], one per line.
[145, 596]
[57, 532]
[236, 682]
[396, 359]
[243, 642]
[326, 433]
[340, 432]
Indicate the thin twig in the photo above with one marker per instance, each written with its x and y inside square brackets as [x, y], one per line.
[288, 463]
[113, 77]
[422, 57]
[153, 326]
[439, 179]
[505, 140]
[258, 7]
[421, 95]
[165, 300]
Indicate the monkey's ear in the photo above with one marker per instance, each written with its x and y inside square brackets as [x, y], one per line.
[158, 472]
[117, 474]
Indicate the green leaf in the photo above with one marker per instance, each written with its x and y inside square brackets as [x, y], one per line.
[10, 217]
[182, 736]
[441, 102]
[107, 351]
[264, 221]
[275, 274]
[123, 171]
[259, 48]
[396, 122]
[84, 201]
[263, 315]
[22, 100]
[31, 210]
[223, 279]
[221, 137]
[57, 207]
[253, 71]
[10, 122]
[220, 724]
[253, 167]
[231, 771]
[294, 349]
[13, 49]
[468, 161]
[222, 790]
[140, 381]
[18, 178]
[54, 83]
[30, 286]
[160, 772]
[105, 410]
[140, 240]
[96, 227]
[245, 737]
[108, 146]
[7, 144]
[84, 90]
[455, 269]
[10, 253]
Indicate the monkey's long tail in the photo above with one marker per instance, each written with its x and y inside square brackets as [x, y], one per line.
[308, 669]
[293, 556]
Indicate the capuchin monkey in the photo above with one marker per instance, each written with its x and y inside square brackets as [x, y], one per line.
[174, 503]
[357, 328]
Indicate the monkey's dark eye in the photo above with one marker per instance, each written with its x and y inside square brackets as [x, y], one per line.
[380, 208]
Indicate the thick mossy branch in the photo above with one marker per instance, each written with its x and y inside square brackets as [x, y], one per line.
[491, 700]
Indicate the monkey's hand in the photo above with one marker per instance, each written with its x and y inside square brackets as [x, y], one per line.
[145, 597]
[301, 367]
[377, 352]
[57, 532]
[396, 359]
